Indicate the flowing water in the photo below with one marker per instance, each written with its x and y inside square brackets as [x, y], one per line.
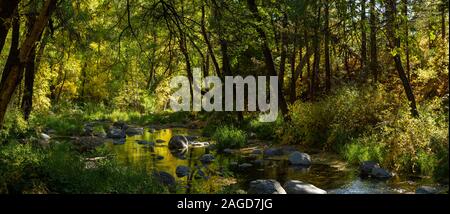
[327, 171]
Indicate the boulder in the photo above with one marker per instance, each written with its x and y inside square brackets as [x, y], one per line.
[299, 158]
[300, 187]
[164, 178]
[178, 142]
[131, 131]
[372, 169]
[44, 137]
[114, 132]
[426, 190]
[273, 152]
[207, 158]
[262, 186]
[182, 171]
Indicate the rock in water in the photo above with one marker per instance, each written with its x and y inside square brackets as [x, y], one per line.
[182, 171]
[365, 168]
[44, 137]
[178, 142]
[372, 169]
[164, 178]
[426, 190]
[273, 152]
[116, 133]
[262, 186]
[207, 158]
[300, 187]
[131, 131]
[298, 158]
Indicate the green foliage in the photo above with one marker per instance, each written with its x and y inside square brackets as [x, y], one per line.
[371, 124]
[229, 137]
[264, 130]
[14, 125]
[60, 169]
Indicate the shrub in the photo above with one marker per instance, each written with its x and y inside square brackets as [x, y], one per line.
[229, 137]
[60, 169]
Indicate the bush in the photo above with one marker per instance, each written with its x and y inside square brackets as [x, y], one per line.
[372, 124]
[59, 169]
[229, 137]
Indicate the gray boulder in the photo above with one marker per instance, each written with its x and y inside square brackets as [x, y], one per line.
[299, 158]
[134, 131]
[178, 142]
[114, 132]
[300, 187]
[372, 169]
[182, 171]
[262, 186]
[426, 190]
[273, 152]
[207, 158]
[164, 178]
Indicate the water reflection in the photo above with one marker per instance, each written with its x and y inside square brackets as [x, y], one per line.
[226, 168]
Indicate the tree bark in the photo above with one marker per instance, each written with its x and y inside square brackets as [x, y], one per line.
[363, 41]
[373, 41]
[316, 64]
[12, 78]
[7, 9]
[394, 43]
[270, 65]
[327, 48]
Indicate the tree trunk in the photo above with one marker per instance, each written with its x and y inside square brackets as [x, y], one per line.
[363, 41]
[405, 20]
[7, 9]
[14, 74]
[394, 43]
[373, 41]
[270, 65]
[315, 72]
[327, 49]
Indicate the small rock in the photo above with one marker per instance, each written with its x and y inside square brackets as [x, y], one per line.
[298, 158]
[182, 171]
[252, 135]
[151, 130]
[245, 165]
[262, 186]
[228, 151]
[120, 125]
[159, 141]
[164, 178]
[273, 152]
[427, 190]
[178, 142]
[131, 131]
[373, 170]
[300, 187]
[116, 133]
[44, 137]
[207, 158]
[159, 157]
